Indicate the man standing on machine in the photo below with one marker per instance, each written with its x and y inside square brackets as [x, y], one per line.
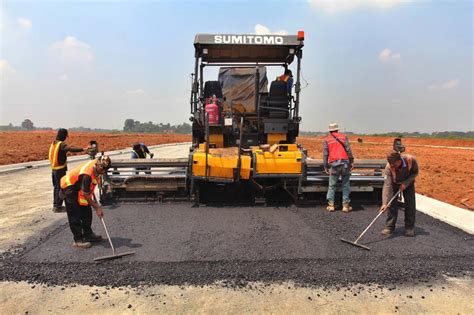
[288, 78]
[400, 173]
[338, 162]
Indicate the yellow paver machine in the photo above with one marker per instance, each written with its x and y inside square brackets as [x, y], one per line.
[244, 131]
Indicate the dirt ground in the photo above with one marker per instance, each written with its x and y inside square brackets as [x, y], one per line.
[449, 297]
[27, 146]
[445, 174]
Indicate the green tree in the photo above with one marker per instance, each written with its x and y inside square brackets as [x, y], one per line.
[27, 124]
[129, 125]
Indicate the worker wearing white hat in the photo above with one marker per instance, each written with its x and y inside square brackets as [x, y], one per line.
[338, 162]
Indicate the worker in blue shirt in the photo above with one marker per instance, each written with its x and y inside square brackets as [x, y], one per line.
[288, 78]
[140, 151]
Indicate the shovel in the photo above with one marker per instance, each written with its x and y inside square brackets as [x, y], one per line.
[355, 243]
[114, 254]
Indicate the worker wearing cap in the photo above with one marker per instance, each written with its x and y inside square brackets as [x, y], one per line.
[57, 156]
[338, 162]
[288, 78]
[77, 187]
[400, 173]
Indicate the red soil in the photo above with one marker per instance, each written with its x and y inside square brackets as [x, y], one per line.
[445, 174]
[20, 146]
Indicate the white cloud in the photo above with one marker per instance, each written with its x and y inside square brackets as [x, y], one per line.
[24, 23]
[72, 49]
[5, 67]
[136, 92]
[63, 77]
[332, 6]
[387, 55]
[448, 85]
[263, 30]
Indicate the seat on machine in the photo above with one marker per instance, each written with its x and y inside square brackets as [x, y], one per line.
[212, 88]
[278, 100]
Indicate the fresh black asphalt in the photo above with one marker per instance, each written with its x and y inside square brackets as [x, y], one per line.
[180, 244]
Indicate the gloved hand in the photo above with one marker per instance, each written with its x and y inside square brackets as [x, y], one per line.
[152, 155]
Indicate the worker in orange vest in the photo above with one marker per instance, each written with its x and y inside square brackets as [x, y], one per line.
[288, 78]
[57, 156]
[77, 188]
[338, 162]
[400, 173]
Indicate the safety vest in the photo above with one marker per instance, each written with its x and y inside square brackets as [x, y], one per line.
[336, 150]
[408, 160]
[283, 78]
[73, 176]
[53, 156]
[138, 155]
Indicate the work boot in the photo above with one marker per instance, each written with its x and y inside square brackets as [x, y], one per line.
[82, 244]
[331, 207]
[93, 238]
[387, 231]
[59, 209]
[346, 207]
[410, 232]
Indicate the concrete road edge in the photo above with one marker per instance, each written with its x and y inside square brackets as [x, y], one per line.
[458, 217]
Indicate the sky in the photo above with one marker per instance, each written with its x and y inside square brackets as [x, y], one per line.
[371, 65]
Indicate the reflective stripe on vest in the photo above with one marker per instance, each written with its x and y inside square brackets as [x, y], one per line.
[87, 169]
[283, 78]
[408, 159]
[53, 156]
[336, 150]
[72, 177]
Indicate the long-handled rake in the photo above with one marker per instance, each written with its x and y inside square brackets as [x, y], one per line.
[355, 243]
[114, 254]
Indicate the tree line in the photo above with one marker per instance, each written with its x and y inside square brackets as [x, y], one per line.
[130, 125]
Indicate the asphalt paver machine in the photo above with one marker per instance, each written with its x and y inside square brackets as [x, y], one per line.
[244, 132]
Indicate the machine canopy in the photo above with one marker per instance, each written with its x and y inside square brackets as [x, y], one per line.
[213, 48]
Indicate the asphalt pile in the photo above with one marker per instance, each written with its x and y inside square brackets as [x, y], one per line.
[181, 245]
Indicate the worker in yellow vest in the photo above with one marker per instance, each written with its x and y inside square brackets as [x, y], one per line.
[77, 189]
[58, 159]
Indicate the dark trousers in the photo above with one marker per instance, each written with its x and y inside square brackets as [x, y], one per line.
[56, 177]
[410, 209]
[80, 219]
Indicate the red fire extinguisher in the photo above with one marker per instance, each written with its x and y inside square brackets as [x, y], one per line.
[213, 112]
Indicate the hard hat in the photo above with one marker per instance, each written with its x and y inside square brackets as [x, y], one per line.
[104, 161]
